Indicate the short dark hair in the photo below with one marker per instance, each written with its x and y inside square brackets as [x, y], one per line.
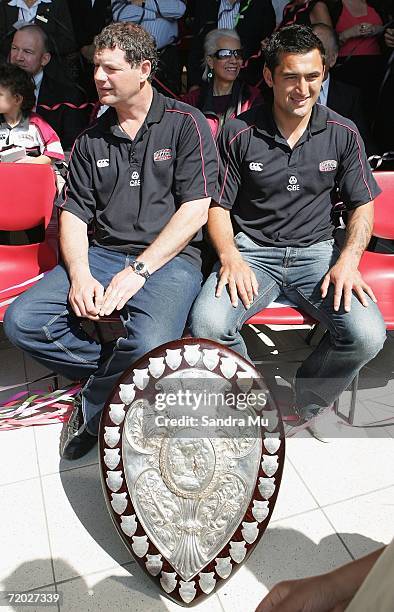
[34, 27]
[291, 39]
[19, 83]
[136, 43]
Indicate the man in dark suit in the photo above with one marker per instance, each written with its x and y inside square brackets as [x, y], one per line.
[254, 20]
[341, 97]
[29, 51]
[54, 18]
[89, 17]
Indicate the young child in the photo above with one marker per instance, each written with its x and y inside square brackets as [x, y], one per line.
[19, 125]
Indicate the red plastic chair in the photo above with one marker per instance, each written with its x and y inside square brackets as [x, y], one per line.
[26, 200]
[376, 268]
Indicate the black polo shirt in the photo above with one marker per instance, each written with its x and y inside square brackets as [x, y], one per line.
[284, 197]
[130, 189]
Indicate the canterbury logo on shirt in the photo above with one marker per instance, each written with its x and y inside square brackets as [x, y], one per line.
[102, 163]
[256, 166]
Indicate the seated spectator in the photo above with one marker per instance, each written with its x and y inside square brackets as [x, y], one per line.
[223, 95]
[56, 101]
[21, 127]
[362, 585]
[53, 17]
[383, 129]
[341, 97]
[88, 19]
[305, 12]
[254, 20]
[160, 19]
[358, 24]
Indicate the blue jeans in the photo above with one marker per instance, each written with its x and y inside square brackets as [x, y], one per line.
[42, 323]
[352, 338]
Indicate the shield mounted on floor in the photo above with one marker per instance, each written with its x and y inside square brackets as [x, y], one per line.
[191, 457]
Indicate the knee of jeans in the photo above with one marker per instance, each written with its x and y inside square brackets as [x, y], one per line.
[205, 323]
[12, 323]
[18, 323]
[368, 342]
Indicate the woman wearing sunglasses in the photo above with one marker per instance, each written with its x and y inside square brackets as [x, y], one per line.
[223, 95]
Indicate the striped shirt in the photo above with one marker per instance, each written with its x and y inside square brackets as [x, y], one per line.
[228, 13]
[158, 17]
[34, 134]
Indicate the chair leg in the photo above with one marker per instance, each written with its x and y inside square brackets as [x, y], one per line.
[311, 333]
[353, 398]
[99, 332]
[55, 379]
[352, 410]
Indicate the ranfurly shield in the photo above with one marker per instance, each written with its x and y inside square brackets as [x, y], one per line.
[191, 455]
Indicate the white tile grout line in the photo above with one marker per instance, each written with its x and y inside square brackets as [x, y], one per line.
[322, 508]
[46, 519]
[5, 484]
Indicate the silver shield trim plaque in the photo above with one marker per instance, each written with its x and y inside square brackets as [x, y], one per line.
[190, 499]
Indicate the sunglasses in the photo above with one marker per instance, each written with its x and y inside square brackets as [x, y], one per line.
[222, 54]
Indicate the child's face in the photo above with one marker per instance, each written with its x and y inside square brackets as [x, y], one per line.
[8, 102]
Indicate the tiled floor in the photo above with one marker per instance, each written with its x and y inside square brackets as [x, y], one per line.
[335, 503]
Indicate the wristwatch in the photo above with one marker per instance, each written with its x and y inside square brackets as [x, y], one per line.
[140, 268]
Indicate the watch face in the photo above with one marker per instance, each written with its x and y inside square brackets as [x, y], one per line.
[139, 266]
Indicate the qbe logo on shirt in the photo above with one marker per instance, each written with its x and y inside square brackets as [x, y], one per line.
[135, 180]
[293, 184]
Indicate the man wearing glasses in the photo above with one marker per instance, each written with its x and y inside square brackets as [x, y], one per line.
[252, 19]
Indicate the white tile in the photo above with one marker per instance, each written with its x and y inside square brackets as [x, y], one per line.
[83, 538]
[122, 589]
[25, 555]
[343, 468]
[366, 522]
[47, 438]
[18, 459]
[294, 497]
[293, 548]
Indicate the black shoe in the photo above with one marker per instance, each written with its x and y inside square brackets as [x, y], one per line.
[75, 440]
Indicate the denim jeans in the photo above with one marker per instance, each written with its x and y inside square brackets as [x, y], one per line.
[42, 323]
[352, 338]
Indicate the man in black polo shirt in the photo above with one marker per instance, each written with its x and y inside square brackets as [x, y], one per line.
[142, 177]
[272, 229]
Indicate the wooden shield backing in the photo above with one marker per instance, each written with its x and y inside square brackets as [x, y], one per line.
[190, 509]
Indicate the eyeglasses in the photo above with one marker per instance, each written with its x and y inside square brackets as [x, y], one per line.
[222, 54]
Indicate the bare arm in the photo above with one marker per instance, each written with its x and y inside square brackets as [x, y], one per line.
[325, 593]
[234, 271]
[320, 14]
[178, 232]
[40, 159]
[86, 292]
[344, 275]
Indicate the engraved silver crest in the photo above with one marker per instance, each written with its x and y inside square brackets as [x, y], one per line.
[191, 500]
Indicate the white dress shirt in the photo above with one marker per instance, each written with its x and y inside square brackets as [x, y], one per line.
[323, 95]
[27, 14]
